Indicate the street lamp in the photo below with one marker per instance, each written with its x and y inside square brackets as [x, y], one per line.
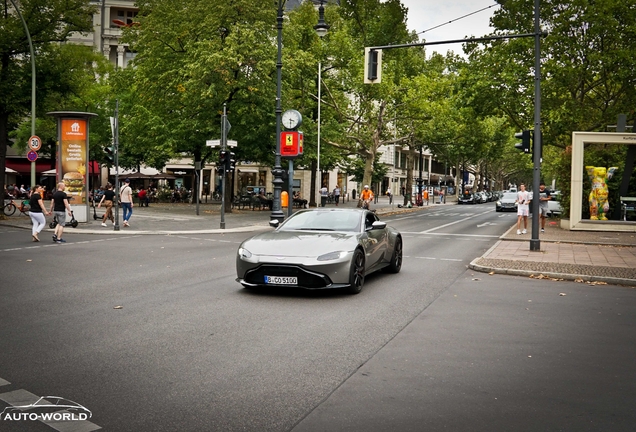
[277, 213]
[321, 30]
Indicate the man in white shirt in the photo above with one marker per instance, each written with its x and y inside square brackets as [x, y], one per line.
[523, 208]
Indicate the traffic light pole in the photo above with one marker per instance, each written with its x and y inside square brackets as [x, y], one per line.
[535, 243]
[223, 170]
[116, 156]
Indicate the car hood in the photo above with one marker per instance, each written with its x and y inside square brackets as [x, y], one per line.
[300, 243]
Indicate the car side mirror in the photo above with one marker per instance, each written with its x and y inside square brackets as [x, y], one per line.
[274, 223]
[378, 225]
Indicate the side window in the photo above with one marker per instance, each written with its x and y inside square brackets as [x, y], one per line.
[369, 220]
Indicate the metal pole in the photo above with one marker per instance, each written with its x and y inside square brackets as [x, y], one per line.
[290, 189]
[28, 35]
[319, 176]
[116, 142]
[535, 244]
[222, 168]
[277, 213]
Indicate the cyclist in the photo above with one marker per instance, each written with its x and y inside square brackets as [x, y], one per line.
[366, 196]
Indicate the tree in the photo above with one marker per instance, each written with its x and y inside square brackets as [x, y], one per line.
[192, 58]
[588, 71]
[47, 25]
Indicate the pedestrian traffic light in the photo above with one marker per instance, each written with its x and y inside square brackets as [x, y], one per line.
[524, 145]
[110, 154]
[230, 162]
[223, 160]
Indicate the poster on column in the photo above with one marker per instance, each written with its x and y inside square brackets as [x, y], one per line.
[73, 158]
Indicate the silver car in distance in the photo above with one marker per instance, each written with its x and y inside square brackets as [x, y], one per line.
[320, 249]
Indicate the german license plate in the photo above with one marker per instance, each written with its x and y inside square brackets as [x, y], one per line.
[281, 280]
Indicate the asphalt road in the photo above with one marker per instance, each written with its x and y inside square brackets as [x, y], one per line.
[153, 333]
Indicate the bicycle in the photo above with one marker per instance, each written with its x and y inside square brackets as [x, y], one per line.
[9, 208]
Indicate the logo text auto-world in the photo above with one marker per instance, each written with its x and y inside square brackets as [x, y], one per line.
[47, 408]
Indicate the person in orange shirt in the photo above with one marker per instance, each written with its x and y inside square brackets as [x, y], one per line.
[366, 196]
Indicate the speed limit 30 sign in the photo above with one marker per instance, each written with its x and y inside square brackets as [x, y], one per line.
[35, 143]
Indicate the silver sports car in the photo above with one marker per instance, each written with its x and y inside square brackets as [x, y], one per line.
[318, 249]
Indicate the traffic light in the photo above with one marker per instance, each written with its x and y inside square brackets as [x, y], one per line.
[524, 145]
[230, 162]
[110, 154]
[223, 160]
[372, 66]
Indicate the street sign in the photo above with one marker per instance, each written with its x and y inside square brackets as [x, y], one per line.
[291, 143]
[213, 143]
[32, 156]
[232, 143]
[35, 143]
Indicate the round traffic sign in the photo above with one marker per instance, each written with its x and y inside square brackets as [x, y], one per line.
[32, 156]
[35, 143]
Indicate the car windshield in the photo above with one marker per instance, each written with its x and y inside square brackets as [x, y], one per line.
[315, 220]
[509, 196]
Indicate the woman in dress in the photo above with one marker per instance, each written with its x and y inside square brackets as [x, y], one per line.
[37, 212]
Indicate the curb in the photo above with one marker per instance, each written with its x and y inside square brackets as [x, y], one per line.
[565, 276]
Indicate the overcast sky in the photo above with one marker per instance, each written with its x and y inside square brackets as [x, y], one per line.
[425, 14]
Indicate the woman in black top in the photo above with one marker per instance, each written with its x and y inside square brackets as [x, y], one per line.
[108, 198]
[37, 211]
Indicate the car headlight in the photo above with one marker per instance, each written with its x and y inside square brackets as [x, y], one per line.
[244, 253]
[331, 256]
[499, 203]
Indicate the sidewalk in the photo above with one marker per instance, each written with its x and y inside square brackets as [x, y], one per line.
[582, 256]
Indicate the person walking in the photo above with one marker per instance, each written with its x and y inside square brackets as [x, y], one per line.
[441, 196]
[544, 197]
[523, 208]
[126, 197]
[60, 206]
[37, 212]
[324, 194]
[336, 194]
[108, 198]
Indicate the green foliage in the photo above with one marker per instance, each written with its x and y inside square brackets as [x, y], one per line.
[192, 58]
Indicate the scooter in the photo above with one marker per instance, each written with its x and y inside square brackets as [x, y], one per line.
[95, 216]
[72, 223]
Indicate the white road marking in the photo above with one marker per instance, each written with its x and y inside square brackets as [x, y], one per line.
[4, 382]
[453, 223]
[64, 244]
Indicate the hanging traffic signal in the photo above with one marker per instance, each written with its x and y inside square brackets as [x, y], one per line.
[230, 162]
[372, 66]
[524, 145]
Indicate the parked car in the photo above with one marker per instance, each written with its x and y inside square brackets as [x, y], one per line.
[320, 249]
[554, 204]
[507, 202]
[466, 198]
[482, 197]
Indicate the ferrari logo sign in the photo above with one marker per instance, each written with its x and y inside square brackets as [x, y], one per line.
[291, 144]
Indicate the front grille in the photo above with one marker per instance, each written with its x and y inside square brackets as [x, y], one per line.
[306, 279]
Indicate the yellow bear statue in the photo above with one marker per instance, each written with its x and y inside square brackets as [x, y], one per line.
[598, 196]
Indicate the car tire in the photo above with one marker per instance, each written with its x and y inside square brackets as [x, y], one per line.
[396, 258]
[356, 273]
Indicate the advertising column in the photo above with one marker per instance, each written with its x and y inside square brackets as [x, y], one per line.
[72, 159]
